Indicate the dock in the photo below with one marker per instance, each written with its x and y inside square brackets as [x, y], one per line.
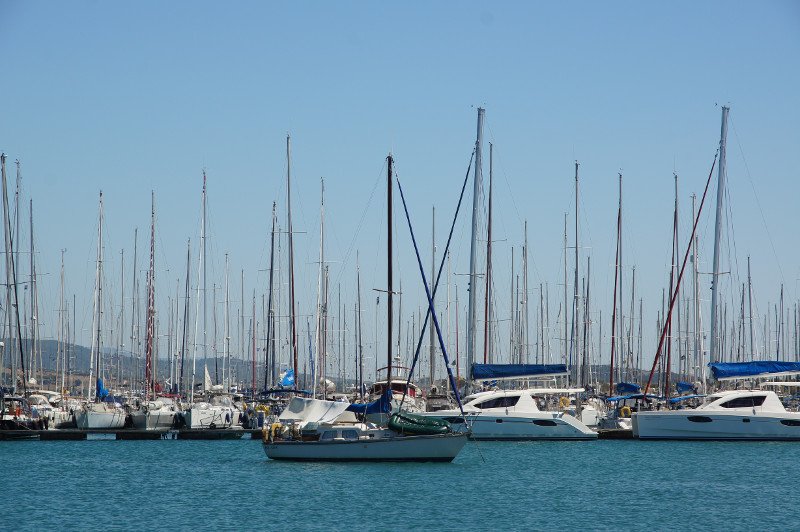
[131, 434]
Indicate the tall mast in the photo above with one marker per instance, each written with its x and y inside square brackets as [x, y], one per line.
[473, 256]
[62, 327]
[717, 233]
[34, 309]
[269, 375]
[487, 327]
[185, 336]
[526, 306]
[575, 348]
[564, 311]
[291, 254]
[226, 346]
[319, 341]
[750, 298]
[203, 265]
[151, 304]
[98, 306]
[389, 162]
[360, 345]
[614, 309]
[432, 337]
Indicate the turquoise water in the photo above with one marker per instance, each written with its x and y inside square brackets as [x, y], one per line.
[230, 485]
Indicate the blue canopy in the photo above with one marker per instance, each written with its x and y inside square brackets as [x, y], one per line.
[288, 378]
[515, 371]
[682, 386]
[381, 406]
[675, 400]
[632, 396]
[761, 368]
[627, 387]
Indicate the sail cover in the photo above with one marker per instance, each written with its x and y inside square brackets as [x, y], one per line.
[763, 368]
[301, 409]
[627, 387]
[380, 406]
[482, 372]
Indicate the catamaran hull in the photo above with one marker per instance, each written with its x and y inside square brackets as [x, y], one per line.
[714, 425]
[437, 448]
[495, 426]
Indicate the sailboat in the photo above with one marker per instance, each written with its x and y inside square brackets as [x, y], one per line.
[101, 411]
[319, 430]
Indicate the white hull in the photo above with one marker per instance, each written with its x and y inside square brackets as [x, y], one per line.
[212, 417]
[519, 426]
[439, 448]
[99, 417]
[153, 419]
[716, 425]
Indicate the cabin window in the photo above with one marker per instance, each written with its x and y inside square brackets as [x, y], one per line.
[350, 434]
[791, 422]
[328, 435]
[454, 420]
[745, 402]
[699, 419]
[545, 422]
[499, 402]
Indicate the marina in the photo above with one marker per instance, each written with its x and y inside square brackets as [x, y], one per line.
[453, 266]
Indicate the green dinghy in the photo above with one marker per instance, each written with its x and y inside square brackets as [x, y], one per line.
[407, 423]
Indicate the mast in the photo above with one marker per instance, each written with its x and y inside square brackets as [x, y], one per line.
[34, 305]
[270, 375]
[616, 276]
[389, 162]
[98, 305]
[151, 304]
[226, 346]
[566, 283]
[487, 309]
[205, 297]
[134, 293]
[360, 345]
[291, 255]
[750, 298]
[432, 337]
[319, 341]
[473, 256]
[717, 233]
[575, 348]
[185, 335]
[11, 284]
[62, 327]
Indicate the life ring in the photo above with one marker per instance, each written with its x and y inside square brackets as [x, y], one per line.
[563, 402]
[625, 411]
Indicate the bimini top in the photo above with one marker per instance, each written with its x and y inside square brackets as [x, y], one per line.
[481, 372]
[743, 370]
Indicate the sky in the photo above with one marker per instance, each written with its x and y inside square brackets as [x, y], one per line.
[134, 98]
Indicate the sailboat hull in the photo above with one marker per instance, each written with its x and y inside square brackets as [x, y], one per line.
[436, 448]
[103, 417]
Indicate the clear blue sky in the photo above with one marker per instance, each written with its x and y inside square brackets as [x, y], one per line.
[134, 97]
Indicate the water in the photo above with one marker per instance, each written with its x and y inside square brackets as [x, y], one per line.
[226, 485]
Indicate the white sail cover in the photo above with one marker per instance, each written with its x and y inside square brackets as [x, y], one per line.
[302, 410]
